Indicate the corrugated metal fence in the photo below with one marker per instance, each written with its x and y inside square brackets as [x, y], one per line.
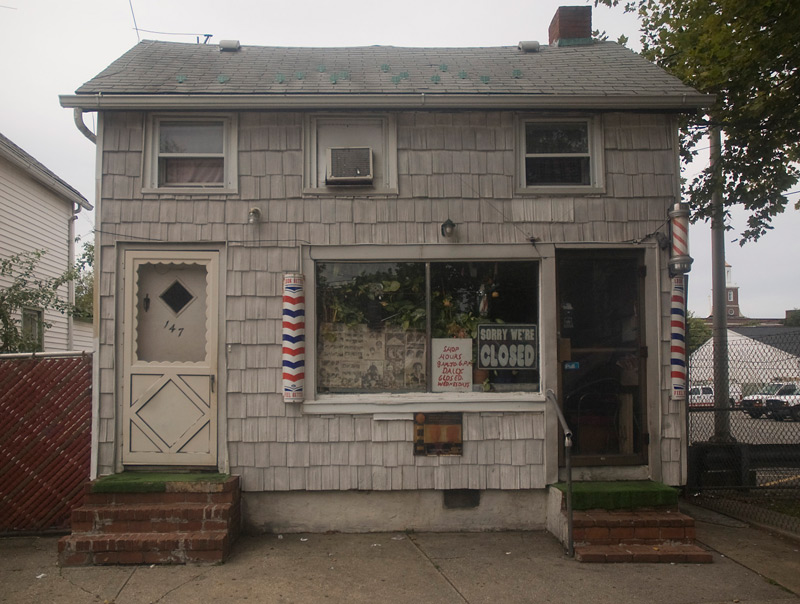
[45, 441]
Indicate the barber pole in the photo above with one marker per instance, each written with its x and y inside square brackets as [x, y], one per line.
[294, 337]
[678, 343]
[680, 263]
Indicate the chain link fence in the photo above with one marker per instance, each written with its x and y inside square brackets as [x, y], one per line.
[744, 449]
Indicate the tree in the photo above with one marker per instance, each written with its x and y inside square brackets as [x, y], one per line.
[26, 290]
[746, 54]
[793, 318]
[84, 282]
[698, 332]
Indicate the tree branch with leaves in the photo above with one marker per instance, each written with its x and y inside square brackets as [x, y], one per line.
[747, 55]
[27, 290]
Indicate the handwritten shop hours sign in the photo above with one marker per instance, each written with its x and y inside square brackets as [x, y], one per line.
[452, 364]
[506, 346]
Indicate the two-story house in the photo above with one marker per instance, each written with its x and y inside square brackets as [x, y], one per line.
[351, 275]
[39, 211]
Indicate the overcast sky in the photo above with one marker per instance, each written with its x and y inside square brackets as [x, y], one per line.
[51, 47]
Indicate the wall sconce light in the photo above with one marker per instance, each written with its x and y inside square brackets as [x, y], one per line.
[254, 216]
[448, 228]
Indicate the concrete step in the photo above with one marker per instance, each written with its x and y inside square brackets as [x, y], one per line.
[155, 518]
[144, 548]
[664, 553]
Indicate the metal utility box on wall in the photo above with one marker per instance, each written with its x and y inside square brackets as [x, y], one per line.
[349, 166]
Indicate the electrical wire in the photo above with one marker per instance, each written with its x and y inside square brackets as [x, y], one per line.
[136, 27]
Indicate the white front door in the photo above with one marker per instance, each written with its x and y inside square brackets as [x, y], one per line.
[170, 358]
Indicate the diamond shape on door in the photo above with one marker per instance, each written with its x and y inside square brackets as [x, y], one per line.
[169, 413]
[177, 297]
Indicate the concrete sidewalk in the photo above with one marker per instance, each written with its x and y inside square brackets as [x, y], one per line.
[749, 566]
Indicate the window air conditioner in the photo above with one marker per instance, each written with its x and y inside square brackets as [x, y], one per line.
[349, 166]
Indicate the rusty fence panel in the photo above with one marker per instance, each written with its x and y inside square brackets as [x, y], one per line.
[45, 441]
[744, 457]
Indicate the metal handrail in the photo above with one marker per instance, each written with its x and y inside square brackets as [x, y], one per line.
[551, 397]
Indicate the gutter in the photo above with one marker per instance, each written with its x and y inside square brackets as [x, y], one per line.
[100, 101]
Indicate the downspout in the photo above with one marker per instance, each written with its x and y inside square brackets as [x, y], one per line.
[77, 115]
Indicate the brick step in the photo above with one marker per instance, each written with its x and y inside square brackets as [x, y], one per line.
[640, 526]
[155, 518]
[664, 553]
[154, 498]
[144, 548]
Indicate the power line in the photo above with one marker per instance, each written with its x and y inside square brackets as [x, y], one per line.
[136, 27]
[167, 33]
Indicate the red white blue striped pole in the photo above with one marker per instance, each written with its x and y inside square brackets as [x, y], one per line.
[680, 263]
[678, 339]
[294, 337]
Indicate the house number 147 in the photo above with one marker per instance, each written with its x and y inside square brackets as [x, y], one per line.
[171, 327]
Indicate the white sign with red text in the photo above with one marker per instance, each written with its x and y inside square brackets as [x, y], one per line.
[452, 364]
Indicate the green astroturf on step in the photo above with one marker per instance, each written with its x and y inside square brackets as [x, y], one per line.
[619, 495]
[150, 482]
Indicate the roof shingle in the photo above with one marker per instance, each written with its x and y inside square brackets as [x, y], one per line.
[599, 69]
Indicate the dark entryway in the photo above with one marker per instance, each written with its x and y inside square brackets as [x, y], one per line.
[602, 354]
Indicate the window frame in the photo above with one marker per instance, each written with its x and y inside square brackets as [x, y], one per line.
[383, 403]
[384, 183]
[35, 315]
[229, 154]
[595, 153]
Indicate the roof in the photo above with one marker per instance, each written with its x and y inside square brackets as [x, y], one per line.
[605, 72]
[39, 172]
[786, 339]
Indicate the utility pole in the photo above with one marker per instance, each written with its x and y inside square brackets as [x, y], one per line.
[722, 411]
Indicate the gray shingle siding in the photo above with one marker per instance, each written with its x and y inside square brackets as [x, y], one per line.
[459, 164]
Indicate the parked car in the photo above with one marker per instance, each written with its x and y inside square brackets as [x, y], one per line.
[701, 396]
[780, 400]
[785, 404]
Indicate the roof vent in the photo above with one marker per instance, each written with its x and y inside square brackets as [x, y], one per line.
[528, 46]
[229, 45]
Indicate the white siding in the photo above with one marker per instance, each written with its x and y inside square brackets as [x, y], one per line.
[35, 218]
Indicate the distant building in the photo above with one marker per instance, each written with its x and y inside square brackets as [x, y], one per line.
[732, 308]
[756, 355]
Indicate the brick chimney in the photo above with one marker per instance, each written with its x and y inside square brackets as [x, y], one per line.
[571, 26]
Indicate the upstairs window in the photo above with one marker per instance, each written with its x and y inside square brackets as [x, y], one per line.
[366, 143]
[192, 153]
[560, 155]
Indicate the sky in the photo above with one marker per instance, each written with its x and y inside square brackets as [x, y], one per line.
[51, 47]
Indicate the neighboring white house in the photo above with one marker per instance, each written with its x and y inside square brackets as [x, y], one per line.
[37, 212]
[475, 227]
[756, 355]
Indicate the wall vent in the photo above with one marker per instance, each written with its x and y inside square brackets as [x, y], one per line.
[349, 166]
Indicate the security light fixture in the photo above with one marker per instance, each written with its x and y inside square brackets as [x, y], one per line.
[254, 216]
[448, 228]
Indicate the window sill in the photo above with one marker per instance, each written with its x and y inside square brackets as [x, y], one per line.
[539, 191]
[344, 191]
[427, 403]
[189, 191]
